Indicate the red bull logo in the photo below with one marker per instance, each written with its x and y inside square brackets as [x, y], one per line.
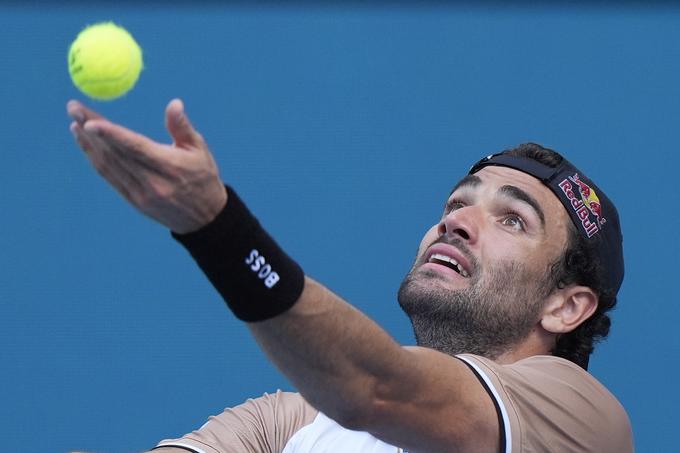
[586, 203]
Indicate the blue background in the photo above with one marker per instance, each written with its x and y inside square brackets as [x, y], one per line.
[344, 128]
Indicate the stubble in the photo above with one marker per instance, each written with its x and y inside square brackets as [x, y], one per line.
[495, 313]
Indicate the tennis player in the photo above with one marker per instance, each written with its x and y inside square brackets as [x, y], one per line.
[508, 293]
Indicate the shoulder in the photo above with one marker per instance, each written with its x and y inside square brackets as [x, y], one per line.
[282, 405]
[553, 403]
[564, 380]
[263, 424]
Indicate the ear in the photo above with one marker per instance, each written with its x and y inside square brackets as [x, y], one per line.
[568, 308]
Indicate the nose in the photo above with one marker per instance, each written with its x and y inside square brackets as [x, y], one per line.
[462, 223]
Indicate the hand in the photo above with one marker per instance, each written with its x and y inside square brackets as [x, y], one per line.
[177, 185]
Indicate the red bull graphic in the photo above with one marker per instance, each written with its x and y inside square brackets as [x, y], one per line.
[585, 203]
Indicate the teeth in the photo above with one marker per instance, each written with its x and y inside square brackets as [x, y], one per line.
[448, 259]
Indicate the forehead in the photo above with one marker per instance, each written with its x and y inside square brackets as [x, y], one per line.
[496, 176]
[492, 178]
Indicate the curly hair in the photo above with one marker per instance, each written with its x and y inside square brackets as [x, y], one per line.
[579, 264]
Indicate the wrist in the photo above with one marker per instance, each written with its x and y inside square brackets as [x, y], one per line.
[205, 214]
[255, 277]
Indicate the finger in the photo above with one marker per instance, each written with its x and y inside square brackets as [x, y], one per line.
[104, 165]
[81, 139]
[129, 145]
[127, 172]
[80, 113]
[107, 164]
[181, 130]
[130, 154]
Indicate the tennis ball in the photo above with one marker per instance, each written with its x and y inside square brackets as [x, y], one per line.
[104, 61]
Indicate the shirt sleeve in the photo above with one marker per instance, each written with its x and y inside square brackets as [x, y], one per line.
[547, 403]
[263, 424]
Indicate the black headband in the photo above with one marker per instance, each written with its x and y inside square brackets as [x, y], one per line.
[593, 214]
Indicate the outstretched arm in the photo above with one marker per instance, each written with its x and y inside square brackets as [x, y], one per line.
[352, 370]
[341, 361]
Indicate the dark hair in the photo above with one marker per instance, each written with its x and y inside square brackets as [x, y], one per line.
[578, 264]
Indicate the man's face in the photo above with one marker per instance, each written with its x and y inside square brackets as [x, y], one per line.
[481, 275]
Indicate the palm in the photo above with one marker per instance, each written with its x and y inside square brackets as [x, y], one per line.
[177, 185]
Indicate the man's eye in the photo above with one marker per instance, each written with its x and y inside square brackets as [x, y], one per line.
[453, 205]
[514, 221]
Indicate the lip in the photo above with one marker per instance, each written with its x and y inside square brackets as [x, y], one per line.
[453, 252]
[446, 271]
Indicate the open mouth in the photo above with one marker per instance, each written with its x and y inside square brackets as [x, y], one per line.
[438, 258]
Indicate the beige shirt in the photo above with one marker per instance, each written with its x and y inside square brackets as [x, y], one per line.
[548, 404]
[544, 404]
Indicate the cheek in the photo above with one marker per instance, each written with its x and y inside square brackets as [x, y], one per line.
[500, 250]
[531, 259]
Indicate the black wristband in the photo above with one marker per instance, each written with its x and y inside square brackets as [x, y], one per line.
[247, 267]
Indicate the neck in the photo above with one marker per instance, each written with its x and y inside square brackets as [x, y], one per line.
[538, 342]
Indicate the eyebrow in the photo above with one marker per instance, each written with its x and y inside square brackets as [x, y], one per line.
[519, 194]
[467, 181]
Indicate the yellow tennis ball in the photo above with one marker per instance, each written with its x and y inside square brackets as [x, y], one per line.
[104, 61]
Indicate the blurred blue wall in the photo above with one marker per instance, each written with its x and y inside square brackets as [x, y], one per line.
[344, 128]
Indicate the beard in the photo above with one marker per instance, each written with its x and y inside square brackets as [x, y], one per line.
[495, 313]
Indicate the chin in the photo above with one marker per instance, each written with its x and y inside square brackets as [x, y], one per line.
[476, 319]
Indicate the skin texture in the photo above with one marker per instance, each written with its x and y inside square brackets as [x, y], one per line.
[342, 362]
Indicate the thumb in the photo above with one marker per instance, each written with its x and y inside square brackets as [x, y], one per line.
[179, 126]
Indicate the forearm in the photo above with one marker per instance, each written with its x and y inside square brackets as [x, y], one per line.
[338, 358]
[342, 362]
